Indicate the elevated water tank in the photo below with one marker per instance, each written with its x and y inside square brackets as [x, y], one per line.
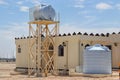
[97, 60]
[44, 13]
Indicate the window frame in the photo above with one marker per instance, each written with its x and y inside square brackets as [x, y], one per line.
[61, 51]
[19, 49]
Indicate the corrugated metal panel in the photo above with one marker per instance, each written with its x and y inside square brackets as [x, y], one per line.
[97, 60]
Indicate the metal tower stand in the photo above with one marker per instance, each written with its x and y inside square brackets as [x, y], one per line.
[42, 47]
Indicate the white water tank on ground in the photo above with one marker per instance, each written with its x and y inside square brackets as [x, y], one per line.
[78, 69]
[97, 60]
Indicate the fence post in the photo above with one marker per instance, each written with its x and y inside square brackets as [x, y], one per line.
[119, 71]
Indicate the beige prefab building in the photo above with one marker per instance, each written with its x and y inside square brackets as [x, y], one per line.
[70, 49]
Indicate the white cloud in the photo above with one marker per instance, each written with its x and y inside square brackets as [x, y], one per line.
[19, 2]
[7, 37]
[79, 1]
[68, 28]
[11, 13]
[24, 8]
[118, 6]
[87, 16]
[103, 6]
[36, 2]
[2, 2]
[83, 12]
[16, 29]
[79, 4]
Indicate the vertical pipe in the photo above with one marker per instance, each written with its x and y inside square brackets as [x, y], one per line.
[55, 45]
[29, 52]
[38, 48]
[46, 51]
[58, 24]
[40, 34]
[67, 54]
[79, 52]
[80, 57]
[55, 48]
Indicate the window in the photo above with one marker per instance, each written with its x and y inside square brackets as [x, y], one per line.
[19, 49]
[60, 50]
[87, 45]
[82, 44]
[109, 46]
[51, 47]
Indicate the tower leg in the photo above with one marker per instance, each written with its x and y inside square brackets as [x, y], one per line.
[42, 47]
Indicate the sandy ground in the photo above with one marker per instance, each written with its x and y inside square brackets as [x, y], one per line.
[7, 70]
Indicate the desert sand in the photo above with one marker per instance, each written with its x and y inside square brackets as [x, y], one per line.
[7, 73]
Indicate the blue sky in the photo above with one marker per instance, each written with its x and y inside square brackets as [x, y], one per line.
[100, 16]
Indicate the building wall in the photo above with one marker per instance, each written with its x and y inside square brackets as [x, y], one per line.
[22, 58]
[115, 42]
[73, 51]
[70, 49]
